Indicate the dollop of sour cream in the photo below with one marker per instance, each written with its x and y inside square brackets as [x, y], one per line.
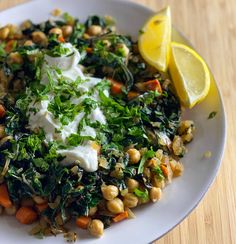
[84, 155]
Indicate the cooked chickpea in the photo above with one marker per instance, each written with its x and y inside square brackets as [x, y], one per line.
[147, 172]
[184, 126]
[96, 228]
[15, 58]
[2, 131]
[67, 30]
[40, 38]
[134, 155]
[159, 154]
[130, 200]
[153, 162]
[56, 12]
[56, 31]
[26, 24]
[158, 182]
[10, 211]
[155, 194]
[4, 33]
[28, 43]
[94, 30]
[109, 192]
[132, 184]
[179, 168]
[124, 192]
[177, 146]
[123, 48]
[115, 206]
[92, 211]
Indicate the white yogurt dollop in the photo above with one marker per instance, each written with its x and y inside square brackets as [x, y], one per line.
[85, 155]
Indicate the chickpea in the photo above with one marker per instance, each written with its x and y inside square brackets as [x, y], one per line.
[130, 200]
[39, 200]
[115, 206]
[184, 126]
[109, 192]
[56, 12]
[94, 30]
[92, 211]
[96, 228]
[4, 33]
[124, 192]
[153, 163]
[10, 211]
[132, 184]
[156, 182]
[177, 146]
[39, 38]
[67, 30]
[15, 58]
[56, 31]
[134, 155]
[147, 172]
[2, 131]
[26, 24]
[155, 194]
[13, 30]
[159, 154]
[28, 43]
[179, 168]
[123, 48]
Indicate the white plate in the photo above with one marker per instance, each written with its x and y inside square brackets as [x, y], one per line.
[180, 197]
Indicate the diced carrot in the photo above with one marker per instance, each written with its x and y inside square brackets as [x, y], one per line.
[89, 50]
[26, 215]
[132, 95]
[41, 207]
[61, 39]
[4, 197]
[164, 170]
[10, 45]
[121, 216]
[83, 222]
[153, 85]
[116, 87]
[2, 111]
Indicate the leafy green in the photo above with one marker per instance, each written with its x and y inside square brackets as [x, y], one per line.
[145, 157]
[141, 194]
[212, 115]
[158, 172]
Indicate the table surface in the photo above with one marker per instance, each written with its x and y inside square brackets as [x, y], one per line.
[211, 27]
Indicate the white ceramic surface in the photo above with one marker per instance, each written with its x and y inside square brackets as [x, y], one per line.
[179, 198]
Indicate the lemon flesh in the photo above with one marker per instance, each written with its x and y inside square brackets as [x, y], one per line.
[189, 73]
[155, 38]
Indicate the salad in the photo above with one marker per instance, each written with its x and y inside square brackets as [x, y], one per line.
[89, 130]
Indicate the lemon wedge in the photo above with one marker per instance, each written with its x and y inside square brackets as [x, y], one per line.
[189, 73]
[155, 38]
